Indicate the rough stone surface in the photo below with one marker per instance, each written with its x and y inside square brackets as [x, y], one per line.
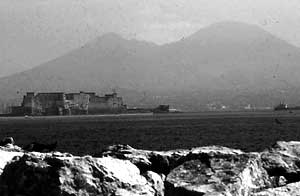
[199, 171]
[157, 182]
[49, 175]
[7, 140]
[160, 161]
[215, 173]
[282, 161]
[157, 161]
[124, 171]
[292, 189]
[7, 154]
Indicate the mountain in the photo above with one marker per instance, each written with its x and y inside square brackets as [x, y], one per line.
[8, 68]
[229, 62]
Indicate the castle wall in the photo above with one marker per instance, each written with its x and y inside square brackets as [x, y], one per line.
[60, 103]
[49, 104]
[27, 104]
[106, 104]
[17, 110]
[78, 103]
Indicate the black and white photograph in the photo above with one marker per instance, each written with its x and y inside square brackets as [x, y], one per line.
[149, 98]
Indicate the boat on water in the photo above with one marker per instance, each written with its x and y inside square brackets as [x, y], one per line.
[284, 106]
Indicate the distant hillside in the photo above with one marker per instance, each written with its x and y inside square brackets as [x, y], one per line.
[234, 63]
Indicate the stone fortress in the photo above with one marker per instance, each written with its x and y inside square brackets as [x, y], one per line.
[60, 103]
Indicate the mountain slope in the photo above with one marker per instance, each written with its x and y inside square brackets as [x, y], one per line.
[224, 57]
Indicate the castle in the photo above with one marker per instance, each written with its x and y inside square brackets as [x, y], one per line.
[60, 103]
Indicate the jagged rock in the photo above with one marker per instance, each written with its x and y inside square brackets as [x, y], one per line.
[157, 182]
[7, 154]
[7, 140]
[122, 170]
[199, 171]
[11, 148]
[48, 174]
[157, 161]
[221, 172]
[138, 157]
[8, 144]
[292, 189]
[283, 161]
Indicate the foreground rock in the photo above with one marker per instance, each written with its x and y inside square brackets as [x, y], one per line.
[199, 171]
[121, 170]
[7, 154]
[218, 174]
[157, 161]
[282, 161]
[38, 174]
[292, 189]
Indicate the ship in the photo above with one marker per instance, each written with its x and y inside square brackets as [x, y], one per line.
[283, 106]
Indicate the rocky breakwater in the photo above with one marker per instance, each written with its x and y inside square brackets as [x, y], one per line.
[123, 170]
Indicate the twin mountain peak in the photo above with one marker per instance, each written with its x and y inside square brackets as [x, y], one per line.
[220, 62]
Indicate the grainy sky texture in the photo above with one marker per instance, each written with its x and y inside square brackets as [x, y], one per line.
[35, 31]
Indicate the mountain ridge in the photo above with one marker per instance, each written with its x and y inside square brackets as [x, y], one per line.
[233, 57]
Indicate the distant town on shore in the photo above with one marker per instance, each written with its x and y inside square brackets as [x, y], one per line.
[89, 103]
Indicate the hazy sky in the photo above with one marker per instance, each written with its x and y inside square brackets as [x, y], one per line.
[35, 31]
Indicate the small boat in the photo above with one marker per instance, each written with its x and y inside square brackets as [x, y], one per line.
[284, 106]
[281, 106]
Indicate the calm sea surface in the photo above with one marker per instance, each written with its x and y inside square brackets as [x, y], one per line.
[249, 131]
